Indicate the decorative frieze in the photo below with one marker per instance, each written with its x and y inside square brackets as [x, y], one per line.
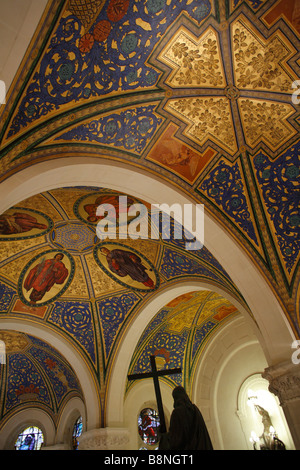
[284, 381]
[104, 439]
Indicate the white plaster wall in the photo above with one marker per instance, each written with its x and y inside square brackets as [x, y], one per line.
[73, 409]
[18, 22]
[233, 354]
[275, 334]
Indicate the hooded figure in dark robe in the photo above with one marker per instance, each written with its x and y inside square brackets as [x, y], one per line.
[187, 427]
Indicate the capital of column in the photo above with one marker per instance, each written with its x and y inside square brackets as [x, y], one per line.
[104, 439]
[284, 381]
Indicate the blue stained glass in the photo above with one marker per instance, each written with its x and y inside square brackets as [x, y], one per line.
[77, 430]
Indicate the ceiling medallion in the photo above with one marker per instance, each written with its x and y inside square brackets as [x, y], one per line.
[75, 237]
[232, 92]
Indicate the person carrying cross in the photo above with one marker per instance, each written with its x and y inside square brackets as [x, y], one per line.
[187, 429]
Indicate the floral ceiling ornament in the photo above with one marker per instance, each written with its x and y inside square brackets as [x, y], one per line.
[206, 118]
[257, 64]
[261, 64]
[196, 62]
[267, 121]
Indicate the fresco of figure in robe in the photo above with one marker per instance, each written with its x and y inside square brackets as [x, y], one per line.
[45, 278]
[127, 266]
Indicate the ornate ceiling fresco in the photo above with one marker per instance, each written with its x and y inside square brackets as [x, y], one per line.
[200, 94]
[54, 273]
[178, 333]
[35, 374]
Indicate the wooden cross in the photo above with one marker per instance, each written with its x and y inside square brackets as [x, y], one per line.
[155, 374]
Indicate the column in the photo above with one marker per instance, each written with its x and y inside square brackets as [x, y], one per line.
[284, 380]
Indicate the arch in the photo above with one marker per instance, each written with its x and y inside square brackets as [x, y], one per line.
[75, 360]
[133, 406]
[230, 355]
[132, 336]
[73, 409]
[88, 171]
[20, 421]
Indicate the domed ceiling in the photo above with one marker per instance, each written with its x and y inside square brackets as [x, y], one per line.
[198, 93]
[34, 374]
[53, 273]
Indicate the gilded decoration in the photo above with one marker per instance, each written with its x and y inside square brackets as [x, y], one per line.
[261, 64]
[207, 119]
[14, 342]
[196, 62]
[266, 121]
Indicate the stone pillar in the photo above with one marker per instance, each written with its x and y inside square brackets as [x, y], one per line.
[284, 380]
[104, 439]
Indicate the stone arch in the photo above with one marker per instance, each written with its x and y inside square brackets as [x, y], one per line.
[20, 421]
[115, 405]
[73, 410]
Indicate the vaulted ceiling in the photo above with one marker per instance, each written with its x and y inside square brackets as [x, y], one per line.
[198, 93]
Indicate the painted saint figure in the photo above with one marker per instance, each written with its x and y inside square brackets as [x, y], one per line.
[19, 222]
[44, 275]
[123, 263]
[91, 209]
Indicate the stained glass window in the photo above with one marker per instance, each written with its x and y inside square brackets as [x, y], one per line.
[77, 430]
[148, 424]
[30, 439]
